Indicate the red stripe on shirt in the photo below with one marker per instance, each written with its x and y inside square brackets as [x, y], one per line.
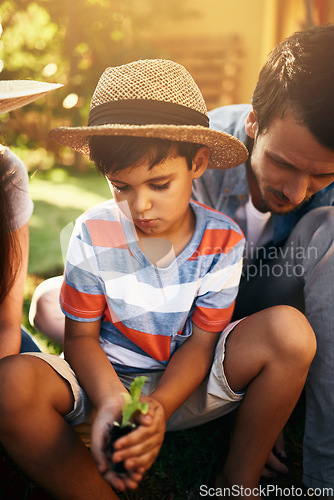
[83, 305]
[156, 346]
[212, 320]
[106, 233]
[217, 241]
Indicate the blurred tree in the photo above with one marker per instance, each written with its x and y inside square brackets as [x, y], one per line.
[72, 42]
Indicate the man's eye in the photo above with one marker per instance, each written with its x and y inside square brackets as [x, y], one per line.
[160, 187]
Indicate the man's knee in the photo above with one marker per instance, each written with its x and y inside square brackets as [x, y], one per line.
[317, 224]
[45, 313]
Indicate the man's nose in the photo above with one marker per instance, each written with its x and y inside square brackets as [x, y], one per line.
[296, 190]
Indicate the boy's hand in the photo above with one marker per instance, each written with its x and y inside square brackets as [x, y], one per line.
[139, 449]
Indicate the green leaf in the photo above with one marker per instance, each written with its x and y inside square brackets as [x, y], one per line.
[132, 403]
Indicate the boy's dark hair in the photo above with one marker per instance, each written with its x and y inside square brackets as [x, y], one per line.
[298, 77]
[111, 154]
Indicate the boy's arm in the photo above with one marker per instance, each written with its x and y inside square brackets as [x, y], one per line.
[93, 369]
[187, 368]
[103, 387]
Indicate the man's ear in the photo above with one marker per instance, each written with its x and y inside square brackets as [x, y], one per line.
[251, 124]
[200, 162]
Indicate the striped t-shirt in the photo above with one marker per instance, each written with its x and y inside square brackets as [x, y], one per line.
[146, 311]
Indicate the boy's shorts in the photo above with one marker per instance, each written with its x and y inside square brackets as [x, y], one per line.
[212, 398]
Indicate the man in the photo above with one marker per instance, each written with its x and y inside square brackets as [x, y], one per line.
[283, 198]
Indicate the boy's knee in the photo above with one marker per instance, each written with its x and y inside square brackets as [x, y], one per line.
[291, 334]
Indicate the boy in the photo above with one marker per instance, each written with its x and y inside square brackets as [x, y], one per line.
[150, 283]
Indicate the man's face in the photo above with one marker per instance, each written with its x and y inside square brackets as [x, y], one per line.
[288, 163]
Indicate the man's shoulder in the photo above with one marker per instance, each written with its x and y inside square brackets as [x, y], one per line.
[230, 119]
[215, 220]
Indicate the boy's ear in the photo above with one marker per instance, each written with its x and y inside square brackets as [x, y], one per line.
[251, 124]
[200, 162]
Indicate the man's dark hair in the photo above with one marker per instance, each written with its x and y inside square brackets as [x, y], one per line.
[298, 77]
[111, 154]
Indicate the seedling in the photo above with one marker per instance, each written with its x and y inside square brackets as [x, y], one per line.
[131, 405]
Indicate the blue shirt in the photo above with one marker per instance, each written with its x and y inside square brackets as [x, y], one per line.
[227, 190]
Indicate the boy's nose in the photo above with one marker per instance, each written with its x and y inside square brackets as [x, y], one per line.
[141, 203]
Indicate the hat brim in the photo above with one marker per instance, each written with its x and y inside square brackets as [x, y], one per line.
[226, 151]
[17, 93]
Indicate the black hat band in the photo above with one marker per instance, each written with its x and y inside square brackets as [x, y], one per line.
[145, 112]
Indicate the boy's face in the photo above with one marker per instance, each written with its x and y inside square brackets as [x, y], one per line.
[157, 199]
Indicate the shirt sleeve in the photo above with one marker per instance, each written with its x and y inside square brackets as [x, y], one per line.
[14, 178]
[82, 295]
[219, 288]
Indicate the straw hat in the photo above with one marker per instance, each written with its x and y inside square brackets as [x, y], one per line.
[152, 98]
[17, 93]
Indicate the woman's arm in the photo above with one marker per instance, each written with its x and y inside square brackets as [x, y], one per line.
[11, 307]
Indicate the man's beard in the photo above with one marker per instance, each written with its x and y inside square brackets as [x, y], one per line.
[280, 210]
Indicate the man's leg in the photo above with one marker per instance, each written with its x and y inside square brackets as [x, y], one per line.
[45, 313]
[33, 400]
[302, 275]
[318, 448]
[268, 354]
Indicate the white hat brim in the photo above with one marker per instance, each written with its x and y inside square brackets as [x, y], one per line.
[17, 93]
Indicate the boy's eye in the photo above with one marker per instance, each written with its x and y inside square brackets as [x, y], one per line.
[160, 187]
[120, 189]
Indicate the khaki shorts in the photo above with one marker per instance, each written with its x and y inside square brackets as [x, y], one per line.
[213, 398]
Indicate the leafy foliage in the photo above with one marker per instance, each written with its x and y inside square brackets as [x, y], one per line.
[72, 42]
[132, 403]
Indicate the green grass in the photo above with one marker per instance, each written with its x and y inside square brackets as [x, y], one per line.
[59, 198]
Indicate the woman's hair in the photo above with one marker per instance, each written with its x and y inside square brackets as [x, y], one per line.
[298, 78]
[10, 250]
[111, 154]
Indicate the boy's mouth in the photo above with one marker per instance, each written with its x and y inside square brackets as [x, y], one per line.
[144, 222]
